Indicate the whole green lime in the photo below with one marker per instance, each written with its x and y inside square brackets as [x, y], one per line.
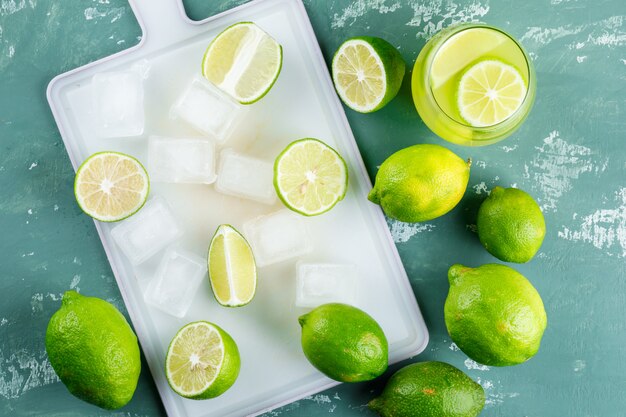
[344, 343]
[430, 389]
[420, 183]
[494, 314]
[511, 225]
[94, 351]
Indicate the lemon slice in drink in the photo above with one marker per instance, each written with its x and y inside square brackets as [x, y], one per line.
[243, 61]
[367, 73]
[489, 93]
[111, 186]
[232, 270]
[202, 361]
[310, 177]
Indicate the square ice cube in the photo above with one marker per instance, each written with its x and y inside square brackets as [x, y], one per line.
[318, 284]
[181, 160]
[277, 237]
[246, 177]
[209, 110]
[118, 104]
[176, 282]
[147, 232]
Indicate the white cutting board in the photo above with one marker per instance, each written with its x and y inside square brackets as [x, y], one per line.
[301, 104]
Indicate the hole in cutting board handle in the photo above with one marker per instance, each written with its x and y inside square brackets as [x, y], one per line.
[198, 10]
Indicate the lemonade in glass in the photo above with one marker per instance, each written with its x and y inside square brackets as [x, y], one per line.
[473, 84]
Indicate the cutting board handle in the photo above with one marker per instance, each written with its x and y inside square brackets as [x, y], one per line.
[162, 21]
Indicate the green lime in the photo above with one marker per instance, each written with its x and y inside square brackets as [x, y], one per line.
[367, 73]
[94, 351]
[494, 314]
[420, 183]
[511, 225]
[344, 343]
[232, 270]
[111, 186]
[310, 177]
[202, 361]
[489, 93]
[430, 389]
[243, 61]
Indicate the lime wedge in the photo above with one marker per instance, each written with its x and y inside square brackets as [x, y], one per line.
[310, 177]
[367, 73]
[489, 93]
[202, 361]
[243, 61]
[232, 270]
[111, 186]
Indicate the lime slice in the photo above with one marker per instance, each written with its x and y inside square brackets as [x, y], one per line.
[489, 93]
[310, 177]
[367, 73]
[202, 361]
[232, 270]
[111, 186]
[243, 61]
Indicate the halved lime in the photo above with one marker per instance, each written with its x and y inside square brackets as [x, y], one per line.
[243, 61]
[232, 270]
[367, 73]
[202, 361]
[310, 177]
[490, 92]
[111, 186]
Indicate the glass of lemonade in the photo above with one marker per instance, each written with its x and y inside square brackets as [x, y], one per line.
[473, 84]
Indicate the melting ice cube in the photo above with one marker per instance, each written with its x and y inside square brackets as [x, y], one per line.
[246, 177]
[176, 282]
[181, 160]
[318, 284]
[118, 104]
[208, 110]
[147, 232]
[278, 237]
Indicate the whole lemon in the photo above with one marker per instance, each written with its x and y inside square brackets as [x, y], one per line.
[510, 225]
[430, 389]
[94, 351]
[420, 183]
[494, 314]
[344, 343]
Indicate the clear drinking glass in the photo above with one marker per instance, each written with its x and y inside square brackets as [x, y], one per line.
[438, 70]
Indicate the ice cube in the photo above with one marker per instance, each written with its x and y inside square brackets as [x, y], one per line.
[181, 160]
[318, 284]
[246, 177]
[146, 233]
[176, 282]
[277, 237]
[118, 104]
[208, 109]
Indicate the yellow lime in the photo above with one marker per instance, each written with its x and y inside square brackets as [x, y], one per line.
[420, 183]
